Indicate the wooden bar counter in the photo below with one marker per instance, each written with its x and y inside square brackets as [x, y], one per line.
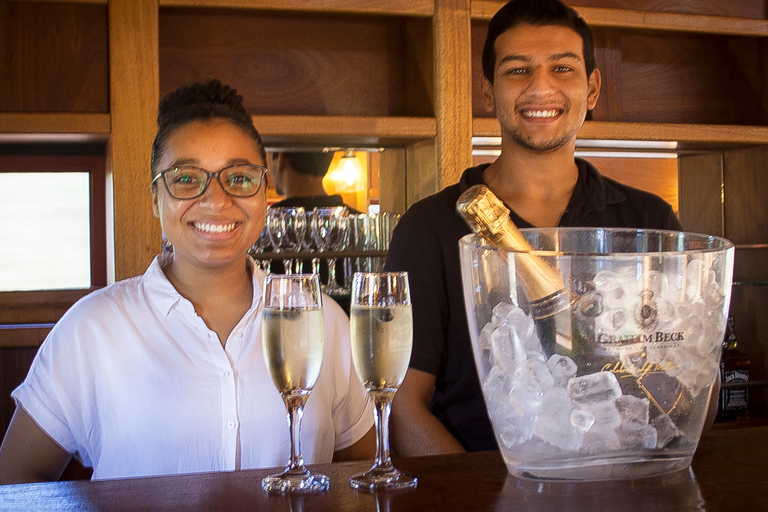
[729, 472]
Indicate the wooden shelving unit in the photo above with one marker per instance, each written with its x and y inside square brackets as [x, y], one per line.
[400, 74]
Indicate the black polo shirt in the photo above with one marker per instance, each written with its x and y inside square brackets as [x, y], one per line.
[425, 244]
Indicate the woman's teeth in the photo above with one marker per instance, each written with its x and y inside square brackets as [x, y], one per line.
[214, 228]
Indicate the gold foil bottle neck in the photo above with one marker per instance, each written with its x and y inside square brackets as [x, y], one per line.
[486, 215]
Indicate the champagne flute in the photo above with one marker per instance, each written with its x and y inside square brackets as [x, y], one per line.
[292, 339]
[381, 326]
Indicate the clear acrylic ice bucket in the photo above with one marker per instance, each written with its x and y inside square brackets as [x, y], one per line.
[617, 383]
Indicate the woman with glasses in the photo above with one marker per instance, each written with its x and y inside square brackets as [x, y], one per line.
[164, 373]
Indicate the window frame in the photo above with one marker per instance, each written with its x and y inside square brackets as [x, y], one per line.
[47, 306]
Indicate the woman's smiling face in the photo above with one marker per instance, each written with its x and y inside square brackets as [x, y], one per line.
[215, 229]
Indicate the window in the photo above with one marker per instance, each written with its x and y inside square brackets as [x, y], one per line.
[52, 222]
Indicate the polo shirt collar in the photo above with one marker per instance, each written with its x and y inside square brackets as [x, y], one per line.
[592, 192]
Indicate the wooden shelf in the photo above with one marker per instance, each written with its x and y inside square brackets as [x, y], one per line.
[54, 127]
[649, 20]
[696, 135]
[345, 130]
[339, 130]
[420, 8]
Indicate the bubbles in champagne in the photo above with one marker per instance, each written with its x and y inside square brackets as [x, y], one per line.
[293, 347]
[382, 338]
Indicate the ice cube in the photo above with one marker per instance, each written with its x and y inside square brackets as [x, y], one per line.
[612, 285]
[713, 296]
[691, 329]
[525, 328]
[506, 347]
[644, 436]
[513, 428]
[698, 275]
[556, 399]
[485, 337]
[666, 430]
[600, 441]
[536, 354]
[606, 414]
[555, 428]
[594, 388]
[498, 386]
[534, 376]
[500, 312]
[700, 375]
[582, 420]
[563, 368]
[633, 410]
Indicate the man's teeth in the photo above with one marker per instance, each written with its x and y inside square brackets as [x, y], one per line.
[541, 113]
[214, 228]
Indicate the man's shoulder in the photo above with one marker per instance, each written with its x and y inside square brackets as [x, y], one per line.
[444, 202]
[439, 202]
[636, 195]
[635, 207]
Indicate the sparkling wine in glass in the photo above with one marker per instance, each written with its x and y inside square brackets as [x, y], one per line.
[292, 337]
[381, 326]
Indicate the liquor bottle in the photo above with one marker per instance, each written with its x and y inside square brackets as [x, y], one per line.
[734, 369]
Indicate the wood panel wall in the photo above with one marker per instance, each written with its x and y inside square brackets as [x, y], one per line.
[296, 65]
[48, 53]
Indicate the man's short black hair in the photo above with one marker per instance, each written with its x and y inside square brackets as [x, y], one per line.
[539, 13]
[313, 163]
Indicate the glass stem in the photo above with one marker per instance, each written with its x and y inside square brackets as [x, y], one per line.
[382, 401]
[295, 406]
[316, 266]
[288, 267]
[332, 273]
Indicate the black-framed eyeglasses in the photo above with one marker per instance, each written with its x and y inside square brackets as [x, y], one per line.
[190, 182]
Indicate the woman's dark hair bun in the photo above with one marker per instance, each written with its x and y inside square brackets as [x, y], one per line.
[194, 100]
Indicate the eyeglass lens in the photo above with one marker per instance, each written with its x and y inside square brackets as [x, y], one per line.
[190, 182]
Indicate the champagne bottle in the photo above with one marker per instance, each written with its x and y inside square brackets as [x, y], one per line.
[487, 216]
[550, 301]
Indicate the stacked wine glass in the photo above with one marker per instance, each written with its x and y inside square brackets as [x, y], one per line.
[323, 233]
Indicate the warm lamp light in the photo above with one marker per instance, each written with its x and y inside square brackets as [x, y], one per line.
[347, 177]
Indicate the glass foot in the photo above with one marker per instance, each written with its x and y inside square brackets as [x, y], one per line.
[383, 478]
[295, 482]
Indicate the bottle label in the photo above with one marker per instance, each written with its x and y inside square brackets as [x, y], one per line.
[735, 399]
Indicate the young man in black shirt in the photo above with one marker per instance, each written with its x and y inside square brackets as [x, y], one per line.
[540, 79]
